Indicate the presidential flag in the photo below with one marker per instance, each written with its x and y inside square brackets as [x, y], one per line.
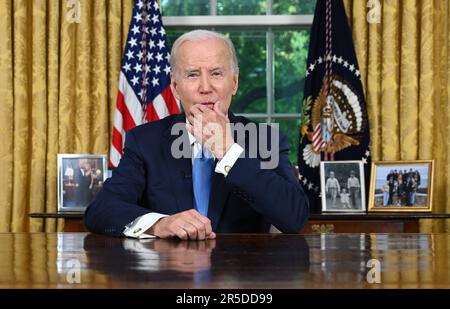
[334, 124]
[144, 84]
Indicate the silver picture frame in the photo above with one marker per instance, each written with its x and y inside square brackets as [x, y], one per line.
[80, 178]
[342, 186]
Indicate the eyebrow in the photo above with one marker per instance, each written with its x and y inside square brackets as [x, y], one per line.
[217, 68]
[187, 71]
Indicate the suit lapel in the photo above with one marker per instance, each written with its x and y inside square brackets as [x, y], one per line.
[181, 167]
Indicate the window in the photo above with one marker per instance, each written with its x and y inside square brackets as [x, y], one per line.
[271, 39]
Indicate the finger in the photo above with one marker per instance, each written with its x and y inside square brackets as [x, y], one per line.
[190, 229]
[212, 236]
[201, 235]
[194, 109]
[203, 108]
[209, 144]
[204, 220]
[206, 114]
[202, 118]
[217, 110]
[198, 221]
[199, 110]
[199, 120]
[198, 225]
[207, 223]
[181, 233]
[208, 129]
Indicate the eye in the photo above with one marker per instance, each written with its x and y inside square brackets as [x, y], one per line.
[192, 75]
[217, 73]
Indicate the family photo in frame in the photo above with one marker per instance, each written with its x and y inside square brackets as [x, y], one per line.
[401, 186]
[342, 184]
[80, 178]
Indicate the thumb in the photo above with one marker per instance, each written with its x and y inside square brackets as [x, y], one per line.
[218, 111]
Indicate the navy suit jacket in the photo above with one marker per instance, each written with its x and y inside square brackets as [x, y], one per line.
[150, 179]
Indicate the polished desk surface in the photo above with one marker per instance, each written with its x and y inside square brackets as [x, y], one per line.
[52, 260]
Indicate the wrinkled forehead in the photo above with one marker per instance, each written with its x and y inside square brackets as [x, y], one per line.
[206, 53]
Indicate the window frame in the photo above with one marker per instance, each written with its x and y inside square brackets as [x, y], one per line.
[270, 24]
[267, 22]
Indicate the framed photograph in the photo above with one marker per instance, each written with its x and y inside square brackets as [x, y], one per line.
[80, 177]
[401, 186]
[342, 184]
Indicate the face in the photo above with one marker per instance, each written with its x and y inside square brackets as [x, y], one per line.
[204, 75]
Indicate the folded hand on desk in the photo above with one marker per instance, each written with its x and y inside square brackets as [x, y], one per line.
[189, 224]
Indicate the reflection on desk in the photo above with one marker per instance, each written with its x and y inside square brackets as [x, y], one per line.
[231, 261]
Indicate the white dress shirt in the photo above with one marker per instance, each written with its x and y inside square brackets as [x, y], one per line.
[137, 228]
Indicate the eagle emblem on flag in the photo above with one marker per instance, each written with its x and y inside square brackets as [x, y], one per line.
[337, 121]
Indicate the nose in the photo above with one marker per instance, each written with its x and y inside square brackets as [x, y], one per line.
[205, 84]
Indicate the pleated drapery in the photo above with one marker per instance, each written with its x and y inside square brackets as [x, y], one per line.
[58, 86]
[404, 63]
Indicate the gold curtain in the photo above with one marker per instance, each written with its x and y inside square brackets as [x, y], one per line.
[58, 86]
[405, 66]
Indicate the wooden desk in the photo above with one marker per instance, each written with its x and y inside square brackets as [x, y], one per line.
[318, 223]
[40, 260]
[73, 222]
[368, 222]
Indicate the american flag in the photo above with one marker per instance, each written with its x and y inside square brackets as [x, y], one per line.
[144, 84]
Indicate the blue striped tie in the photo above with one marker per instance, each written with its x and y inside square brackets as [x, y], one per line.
[202, 172]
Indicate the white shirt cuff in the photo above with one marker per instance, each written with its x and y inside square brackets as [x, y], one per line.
[137, 228]
[224, 166]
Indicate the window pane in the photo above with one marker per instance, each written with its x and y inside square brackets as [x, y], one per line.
[185, 7]
[256, 119]
[293, 7]
[241, 7]
[173, 33]
[290, 56]
[291, 129]
[251, 52]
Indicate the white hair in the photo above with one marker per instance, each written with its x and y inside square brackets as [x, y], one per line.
[201, 35]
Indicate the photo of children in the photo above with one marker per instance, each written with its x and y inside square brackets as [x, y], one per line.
[342, 186]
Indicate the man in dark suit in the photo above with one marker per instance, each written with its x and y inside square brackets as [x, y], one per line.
[191, 175]
[81, 183]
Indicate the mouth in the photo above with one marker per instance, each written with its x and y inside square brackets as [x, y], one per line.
[209, 105]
